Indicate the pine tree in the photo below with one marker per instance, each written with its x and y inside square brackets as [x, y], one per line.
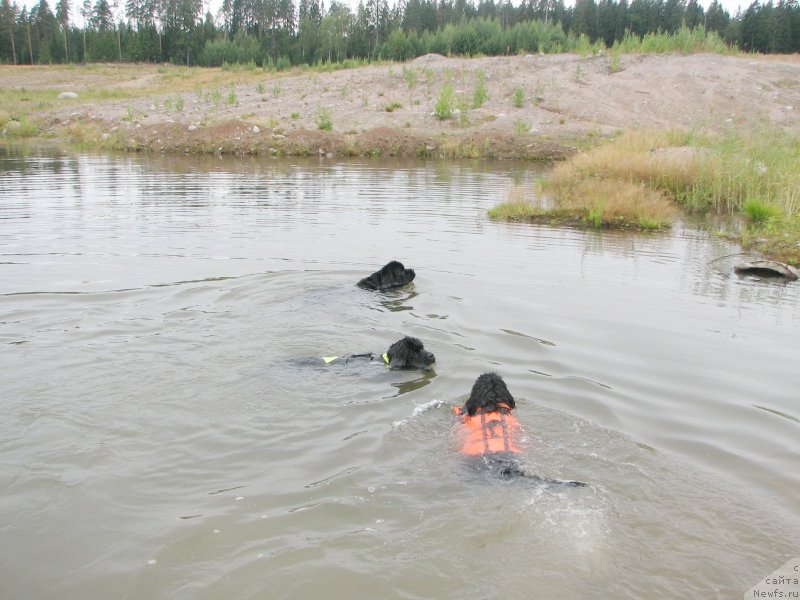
[86, 13]
[8, 18]
[716, 18]
[102, 18]
[62, 16]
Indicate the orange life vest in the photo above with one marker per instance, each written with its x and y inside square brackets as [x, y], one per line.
[488, 432]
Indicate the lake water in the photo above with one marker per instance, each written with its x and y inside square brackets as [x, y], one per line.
[167, 430]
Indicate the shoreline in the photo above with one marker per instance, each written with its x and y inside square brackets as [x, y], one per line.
[517, 108]
[527, 107]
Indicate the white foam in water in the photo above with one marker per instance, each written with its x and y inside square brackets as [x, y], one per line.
[583, 528]
[418, 410]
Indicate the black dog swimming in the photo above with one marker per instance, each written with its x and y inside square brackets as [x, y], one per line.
[391, 275]
[407, 353]
[489, 434]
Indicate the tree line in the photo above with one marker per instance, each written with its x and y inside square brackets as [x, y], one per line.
[281, 33]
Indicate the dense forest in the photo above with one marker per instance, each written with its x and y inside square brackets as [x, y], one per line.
[281, 33]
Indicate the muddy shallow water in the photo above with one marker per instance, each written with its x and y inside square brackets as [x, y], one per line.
[166, 430]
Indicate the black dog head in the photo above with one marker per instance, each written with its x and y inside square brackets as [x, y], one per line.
[409, 353]
[488, 392]
[392, 275]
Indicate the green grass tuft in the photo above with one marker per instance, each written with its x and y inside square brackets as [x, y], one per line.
[325, 119]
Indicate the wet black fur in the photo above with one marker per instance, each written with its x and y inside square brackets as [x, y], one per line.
[488, 392]
[409, 353]
[391, 275]
[406, 353]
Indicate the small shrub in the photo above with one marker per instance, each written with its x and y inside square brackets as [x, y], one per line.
[410, 76]
[444, 105]
[757, 210]
[430, 75]
[595, 216]
[518, 98]
[261, 88]
[481, 93]
[393, 106]
[522, 127]
[295, 116]
[179, 103]
[231, 100]
[325, 119]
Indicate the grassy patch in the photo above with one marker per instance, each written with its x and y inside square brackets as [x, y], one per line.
[521, 127]
[594, 204]
[615, 66]
[325, 119]
[106, 83]
[640, 178]
[481, 92]
[411, 77]
[758, 211]
[518, 98]
[21, 128]
[444, 105]
[231, 99]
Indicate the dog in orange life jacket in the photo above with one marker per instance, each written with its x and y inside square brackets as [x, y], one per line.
[490, 435]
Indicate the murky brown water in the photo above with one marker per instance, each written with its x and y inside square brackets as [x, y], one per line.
[163, 435]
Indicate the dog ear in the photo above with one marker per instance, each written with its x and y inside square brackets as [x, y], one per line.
[400, 352]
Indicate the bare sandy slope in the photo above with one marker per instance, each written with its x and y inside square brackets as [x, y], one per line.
[567, 98]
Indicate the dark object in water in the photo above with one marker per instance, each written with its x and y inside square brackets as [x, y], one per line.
[391, 275]
[406, 353]
[766, 268]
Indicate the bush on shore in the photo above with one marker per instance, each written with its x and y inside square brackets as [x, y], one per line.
[640, 178]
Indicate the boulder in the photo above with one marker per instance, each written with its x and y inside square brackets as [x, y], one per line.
[67, 96]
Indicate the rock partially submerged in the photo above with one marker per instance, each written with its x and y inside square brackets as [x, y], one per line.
[767, 268]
